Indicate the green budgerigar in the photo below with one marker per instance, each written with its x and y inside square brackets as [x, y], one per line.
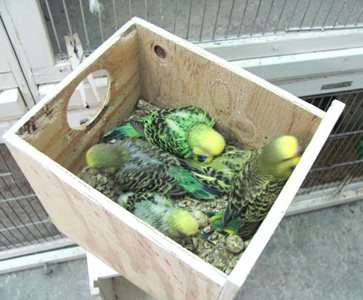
[185, 132]
[161, 213]
[141, 167]
[223, 170]
[259, 183]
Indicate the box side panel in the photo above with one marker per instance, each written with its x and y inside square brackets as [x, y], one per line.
[174, 75]
[48, 129]
[139, 253]
[278, 210]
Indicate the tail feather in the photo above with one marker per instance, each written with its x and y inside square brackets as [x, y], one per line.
[192, 185]
[231, 227]
[121, 131]
[247, 230]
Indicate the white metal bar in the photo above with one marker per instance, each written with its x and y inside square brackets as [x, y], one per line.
[230, 18]
[40, 247]
[316, 14]
[84, 25]
[292, 15]
[340, 12]
[38, 260]
[100, 25]
[324, 198]
[272, 46]
[242, 19]
[356, 23]
[130, 9]
[351, 12]
[16, 19]
[21, 48]
[175, 14]
[72, 43]
[203, 18]
[305, 13]
[280, 17]
[67, 17]
[312, 85]
[216, 22]
[17, 72]
[255, 18]
[114, 14]
[53, 26]
[328, 14]
[268, 16]
[289, 67]
[189, 18]
[11, 105]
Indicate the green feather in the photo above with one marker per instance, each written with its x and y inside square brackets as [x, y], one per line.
[141, 167]
[167, 128]
[222, 171]
[191, 184]
[231, 227]
[161, 213]
[121, 131]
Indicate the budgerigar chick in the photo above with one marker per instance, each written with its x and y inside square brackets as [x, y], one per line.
[161, 213]
[141, 167]
[185, 132]
[260, 182]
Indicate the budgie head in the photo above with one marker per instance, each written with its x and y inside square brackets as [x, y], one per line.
[205, 142]
[182, 224]
[106, 157]
[280, 157]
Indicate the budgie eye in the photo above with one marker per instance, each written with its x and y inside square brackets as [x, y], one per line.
[202, 157]
[292, 168]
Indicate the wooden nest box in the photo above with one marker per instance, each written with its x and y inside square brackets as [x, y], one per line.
[144, 61]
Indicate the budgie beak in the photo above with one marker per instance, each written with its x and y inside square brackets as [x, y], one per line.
[208, 159]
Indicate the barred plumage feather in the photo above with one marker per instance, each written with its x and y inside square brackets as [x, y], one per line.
[167, 128]
[146, 168]
[222, 171]
[258, 184]
[160, 212]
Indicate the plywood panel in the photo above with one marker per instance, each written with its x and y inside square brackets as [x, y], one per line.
[48, 129]
[141, 254]
[247, 108]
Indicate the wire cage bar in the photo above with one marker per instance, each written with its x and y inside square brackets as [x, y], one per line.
[23, 220]
[198, 20]
[341, 159]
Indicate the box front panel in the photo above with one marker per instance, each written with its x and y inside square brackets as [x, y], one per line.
[48, 129]
[115, 236]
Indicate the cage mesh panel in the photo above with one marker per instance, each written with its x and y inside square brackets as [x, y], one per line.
[341, 159]
[198, 20]
[23, 220]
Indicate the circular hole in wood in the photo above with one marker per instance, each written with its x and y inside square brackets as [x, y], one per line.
[88, 99]
[160, 51]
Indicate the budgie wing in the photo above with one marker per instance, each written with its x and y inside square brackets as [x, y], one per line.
[169, 128]
[252, 204]
[151, 179]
